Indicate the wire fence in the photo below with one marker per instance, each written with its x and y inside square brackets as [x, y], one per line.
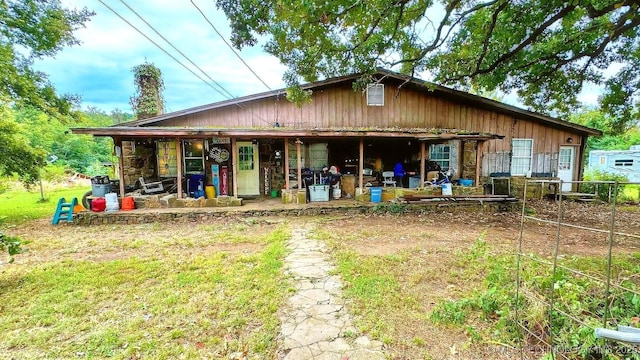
[561, 299]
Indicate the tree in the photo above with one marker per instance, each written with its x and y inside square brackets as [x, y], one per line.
[17, 156]
[545, 50]
[29, 30]
[148, 100]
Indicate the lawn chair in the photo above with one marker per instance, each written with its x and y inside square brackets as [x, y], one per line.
[387, 178]
[151, 187]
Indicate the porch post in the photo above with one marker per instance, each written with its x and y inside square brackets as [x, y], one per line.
[422, 162]
[118, 143]
[179, 166]
[286, 164]
[234, 165]
[361, 164]
[298, 143]
[479, 147]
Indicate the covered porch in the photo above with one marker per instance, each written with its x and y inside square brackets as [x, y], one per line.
[249, 163]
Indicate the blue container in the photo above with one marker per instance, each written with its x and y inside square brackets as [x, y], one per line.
[376, 194]
[465, 182]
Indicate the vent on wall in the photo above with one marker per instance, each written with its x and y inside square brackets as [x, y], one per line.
[375, 95]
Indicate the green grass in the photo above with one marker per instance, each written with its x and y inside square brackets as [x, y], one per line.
[18, 205]
[159, 303]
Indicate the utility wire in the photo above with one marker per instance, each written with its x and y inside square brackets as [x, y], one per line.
[229, 45]
[226, 93]
[176, 49]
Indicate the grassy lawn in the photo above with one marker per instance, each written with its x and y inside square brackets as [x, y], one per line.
[18, 205]
[147, 291]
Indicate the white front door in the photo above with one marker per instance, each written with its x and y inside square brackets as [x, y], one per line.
[248, 169]
[566, 165]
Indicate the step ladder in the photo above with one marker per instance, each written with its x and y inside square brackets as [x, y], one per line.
[64, 208]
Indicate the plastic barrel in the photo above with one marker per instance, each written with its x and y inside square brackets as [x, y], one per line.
[446, 189]
[376, 194]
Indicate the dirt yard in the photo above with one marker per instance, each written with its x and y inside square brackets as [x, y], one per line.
[429, 242]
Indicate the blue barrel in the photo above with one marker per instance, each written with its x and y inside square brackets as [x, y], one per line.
[376, 194]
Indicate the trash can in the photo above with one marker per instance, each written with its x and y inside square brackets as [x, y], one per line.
[376, 194]
[100, 186]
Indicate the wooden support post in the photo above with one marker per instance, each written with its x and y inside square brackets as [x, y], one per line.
[361, 165]
[179, 165]
[118, 144]
[479, 150]
[299, 153]
[286, 164]
[234, 166]
[423, 160]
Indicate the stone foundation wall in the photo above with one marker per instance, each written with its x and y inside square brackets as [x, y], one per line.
[204, 214]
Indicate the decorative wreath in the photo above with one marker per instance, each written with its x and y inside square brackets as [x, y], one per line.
[219, 155]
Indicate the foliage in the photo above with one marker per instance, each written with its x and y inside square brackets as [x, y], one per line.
[546, 56]
[605, 192]
[10, 244]
[148, 100]
[77, 152]
[614, 136]
[17, 155]
[392, 208]
[579, 297]
[29, 30]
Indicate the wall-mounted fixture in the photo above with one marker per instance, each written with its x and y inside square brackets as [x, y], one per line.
[570, 140]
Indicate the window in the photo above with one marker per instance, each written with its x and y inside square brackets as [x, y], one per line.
[623, 162]
[441, 154]
[245, 158]
[375, 95]
[521, 155]
[193, 156]
[167, 158]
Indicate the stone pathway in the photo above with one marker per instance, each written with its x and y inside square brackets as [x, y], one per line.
[315, 322]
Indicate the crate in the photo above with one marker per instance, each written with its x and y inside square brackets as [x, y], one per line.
[319, 192]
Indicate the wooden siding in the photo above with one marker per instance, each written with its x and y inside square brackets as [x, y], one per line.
[339, 106]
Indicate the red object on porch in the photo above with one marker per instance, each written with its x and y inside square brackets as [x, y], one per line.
[128, 203]
[98, 204]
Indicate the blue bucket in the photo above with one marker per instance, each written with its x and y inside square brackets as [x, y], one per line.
[376, 194]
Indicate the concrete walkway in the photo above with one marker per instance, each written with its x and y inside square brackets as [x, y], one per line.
[315, 322]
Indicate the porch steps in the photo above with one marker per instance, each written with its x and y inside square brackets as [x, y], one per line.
[63, 209]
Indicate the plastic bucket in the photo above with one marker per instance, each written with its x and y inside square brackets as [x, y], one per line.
[337, 193]
[274, 193]
[111, 202]
[446, 189]
[128, 203]
[376, 194]
[210, 191]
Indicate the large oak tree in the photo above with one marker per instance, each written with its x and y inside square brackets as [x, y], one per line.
[545, 50]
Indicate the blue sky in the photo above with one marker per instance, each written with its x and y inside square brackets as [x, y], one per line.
[99, 70]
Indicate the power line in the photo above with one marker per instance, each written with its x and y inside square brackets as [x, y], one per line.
[229, 45]
[228, 95]
[176, 49]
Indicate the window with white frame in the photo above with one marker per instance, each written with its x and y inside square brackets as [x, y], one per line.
[441, 154]
[375, 95]
[521, 155]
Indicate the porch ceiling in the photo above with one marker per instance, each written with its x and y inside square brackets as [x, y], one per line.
[167, 132]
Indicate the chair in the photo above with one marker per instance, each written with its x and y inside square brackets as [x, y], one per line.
[387, 178]
[151, 187]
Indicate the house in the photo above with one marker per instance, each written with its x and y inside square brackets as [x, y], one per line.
[251, 145]
[621, 162]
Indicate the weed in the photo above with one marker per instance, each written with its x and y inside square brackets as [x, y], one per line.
[391, 208]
